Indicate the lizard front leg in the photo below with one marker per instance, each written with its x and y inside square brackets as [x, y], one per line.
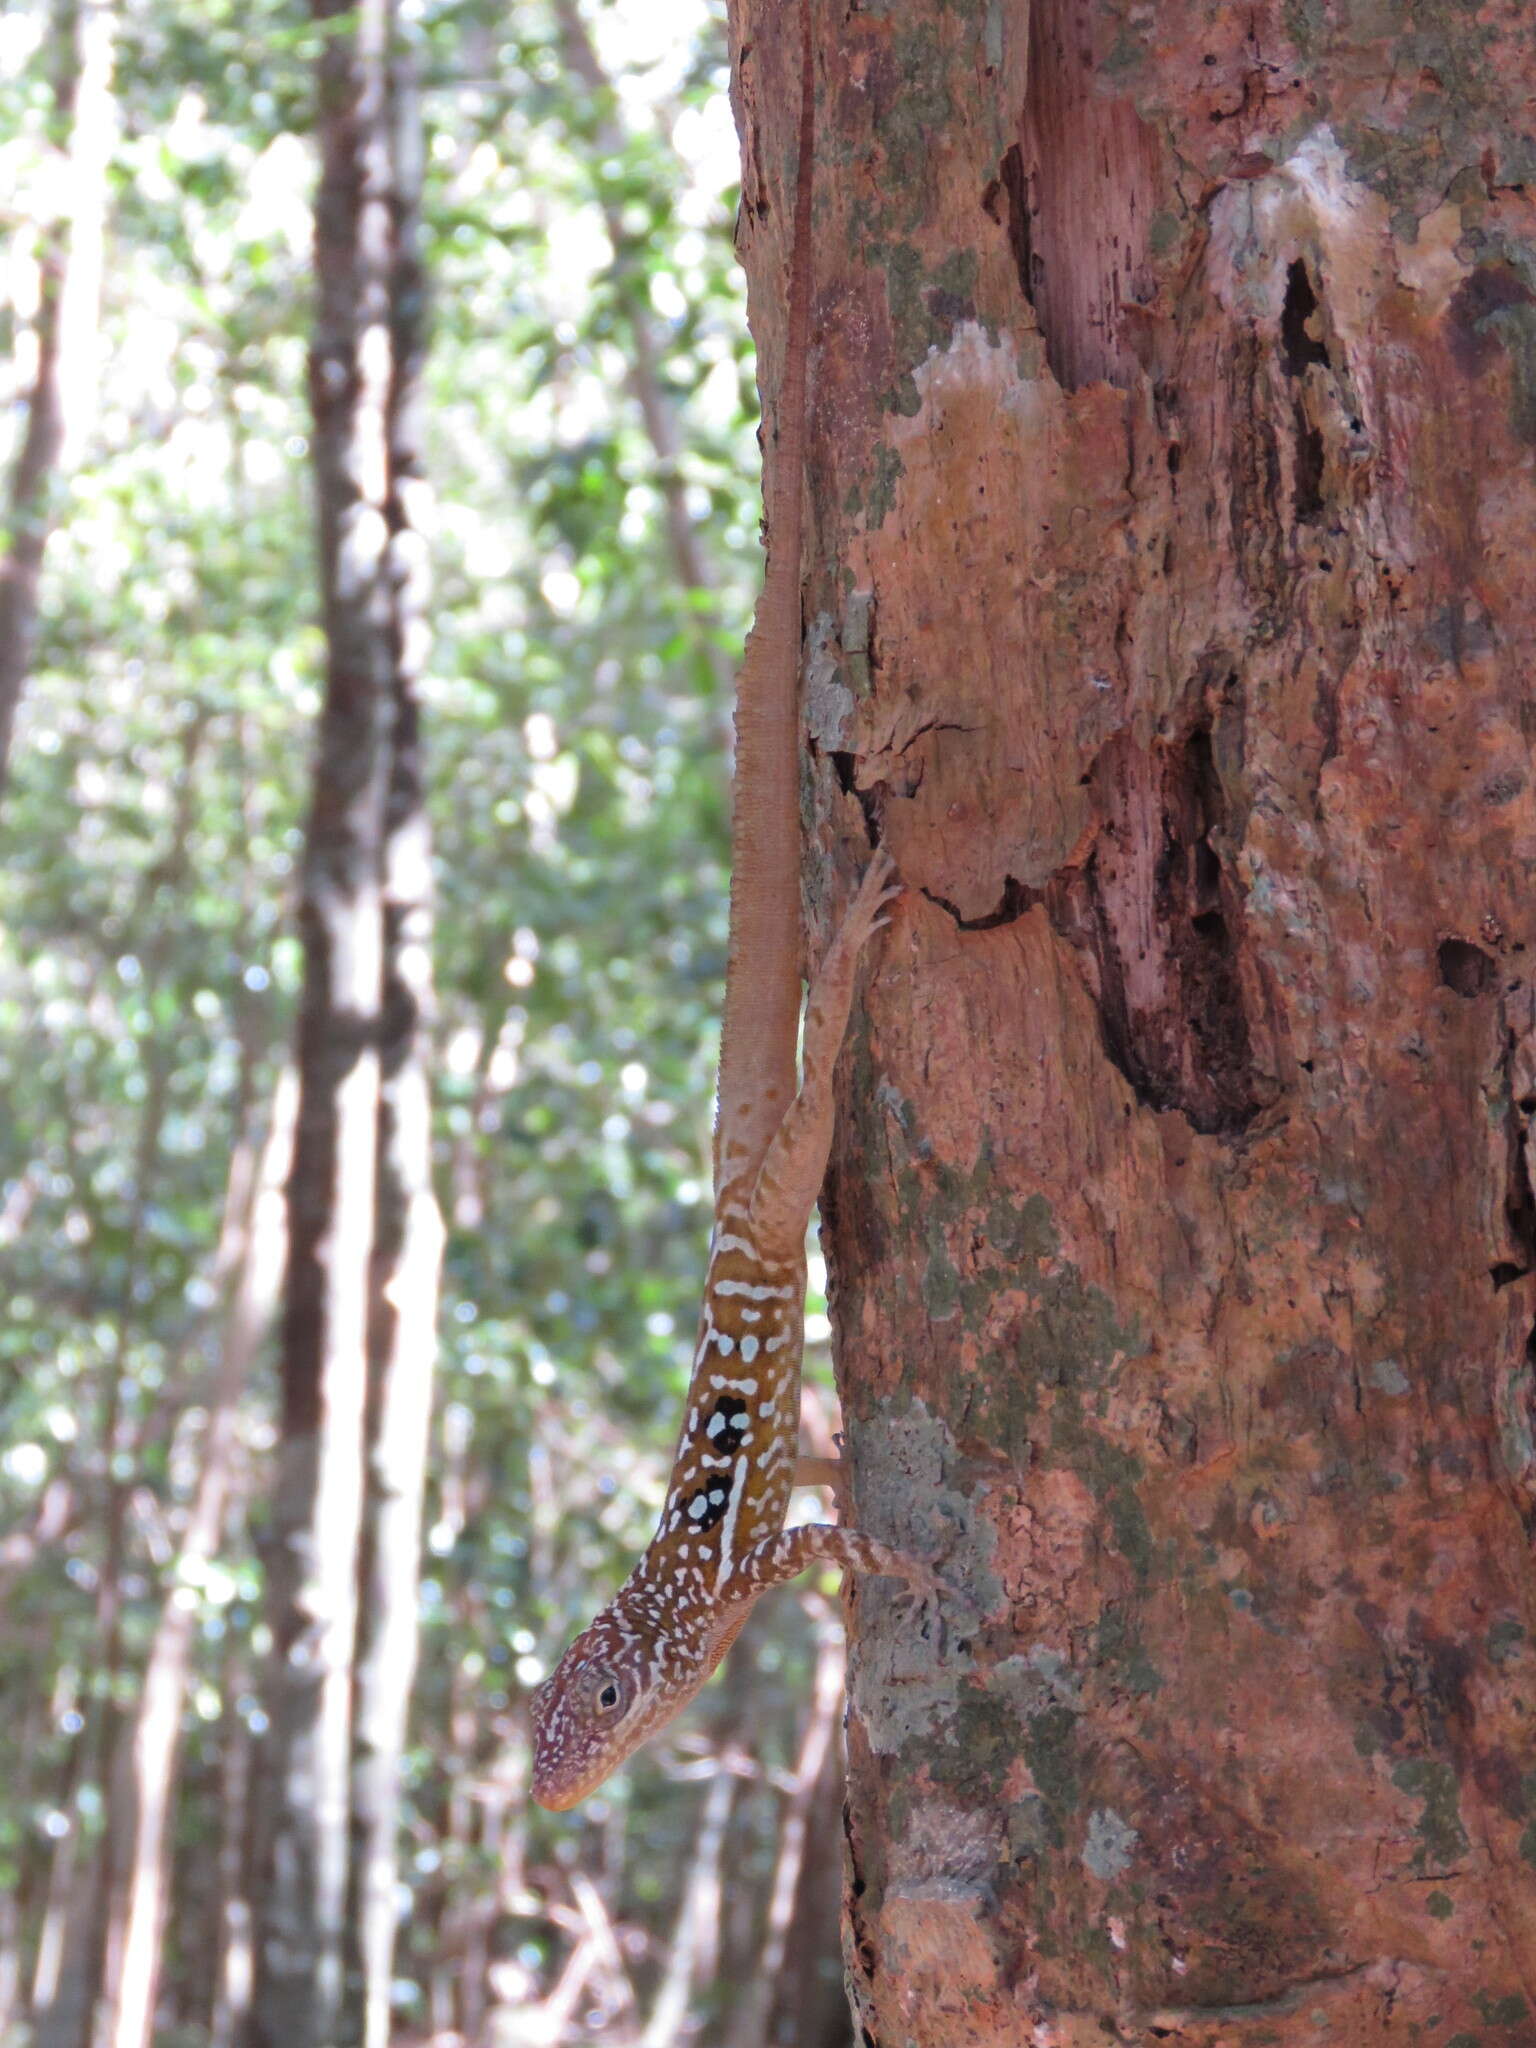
[777, 1559]
[796, 1160]
[782, 1557]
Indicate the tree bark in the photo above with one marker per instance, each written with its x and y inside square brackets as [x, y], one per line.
[303, 1794]
[60, 400]
[1169, 613]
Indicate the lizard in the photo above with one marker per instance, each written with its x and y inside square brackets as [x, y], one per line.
[721, 1541]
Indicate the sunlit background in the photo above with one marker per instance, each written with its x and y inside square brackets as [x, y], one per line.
[594, 475]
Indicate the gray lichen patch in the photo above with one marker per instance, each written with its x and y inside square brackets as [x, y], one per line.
[1387, 1376]
[944, 1844]
[1039, 1679]
[829, 702]
[904, 1677]
[895, 1683]
[905, 1467]
[1109, 1845]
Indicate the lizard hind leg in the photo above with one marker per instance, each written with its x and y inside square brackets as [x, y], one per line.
[796, 1160]
[811, 1470]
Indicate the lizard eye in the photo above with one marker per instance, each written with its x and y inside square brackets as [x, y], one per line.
[609, 1694]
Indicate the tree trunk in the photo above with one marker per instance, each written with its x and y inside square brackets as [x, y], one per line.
[775, 1992]
[594, 102]
[67, 1991]
[303, 1792]
[60, 400]
[1169, 614]
[252, 1262]
[230, 1916]
[408, 1231]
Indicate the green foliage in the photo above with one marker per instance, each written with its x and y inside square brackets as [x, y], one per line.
[152, 827]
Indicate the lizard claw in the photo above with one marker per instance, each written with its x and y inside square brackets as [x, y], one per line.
[879, 889]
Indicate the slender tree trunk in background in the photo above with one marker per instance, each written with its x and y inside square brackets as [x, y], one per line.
[16, 1901]
[632, 288]
[74, 1942]
[1173, 463]
[303, 1793]
[810, 2009]
[408, 1230]
[232, 1971]
[252, 1259]
[60, 402]
[698, 1916]
[750, 2020]
[48, 1955]
[10, 1958]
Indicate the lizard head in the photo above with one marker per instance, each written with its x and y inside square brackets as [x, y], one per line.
[610, 1690]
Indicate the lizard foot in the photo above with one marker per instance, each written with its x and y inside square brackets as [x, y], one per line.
[879, 889]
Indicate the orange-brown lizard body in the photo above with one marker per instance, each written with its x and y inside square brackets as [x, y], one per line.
[722, 1541]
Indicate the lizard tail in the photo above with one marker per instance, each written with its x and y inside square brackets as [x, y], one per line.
[762, 990]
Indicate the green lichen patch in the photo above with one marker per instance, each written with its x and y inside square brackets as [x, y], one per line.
[1122, 1654]
[1050, 1745]
[1028, 1828]
[926, 303]
[1506, 1640]
[915, 108]
[1506, 2011]
[1070, 1335]
[1442, 1838]
[1111, 1474]
[880, 495]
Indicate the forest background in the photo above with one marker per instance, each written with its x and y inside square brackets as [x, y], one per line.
[589, 410]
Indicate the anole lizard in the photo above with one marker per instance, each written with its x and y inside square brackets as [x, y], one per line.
[722, 1541]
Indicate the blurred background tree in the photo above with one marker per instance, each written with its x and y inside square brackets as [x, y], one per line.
[588, 436]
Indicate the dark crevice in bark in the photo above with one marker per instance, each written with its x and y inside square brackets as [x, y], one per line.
[1326, 715]
[1012, 183]
[845, 768]
[934, 725]
[1465, 968]
[1159, 919]
[1302, 348]
[1519, 1196]
[1015, 901]
[1309, 469]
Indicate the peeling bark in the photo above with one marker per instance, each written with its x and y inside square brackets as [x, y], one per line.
[1170, 616]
